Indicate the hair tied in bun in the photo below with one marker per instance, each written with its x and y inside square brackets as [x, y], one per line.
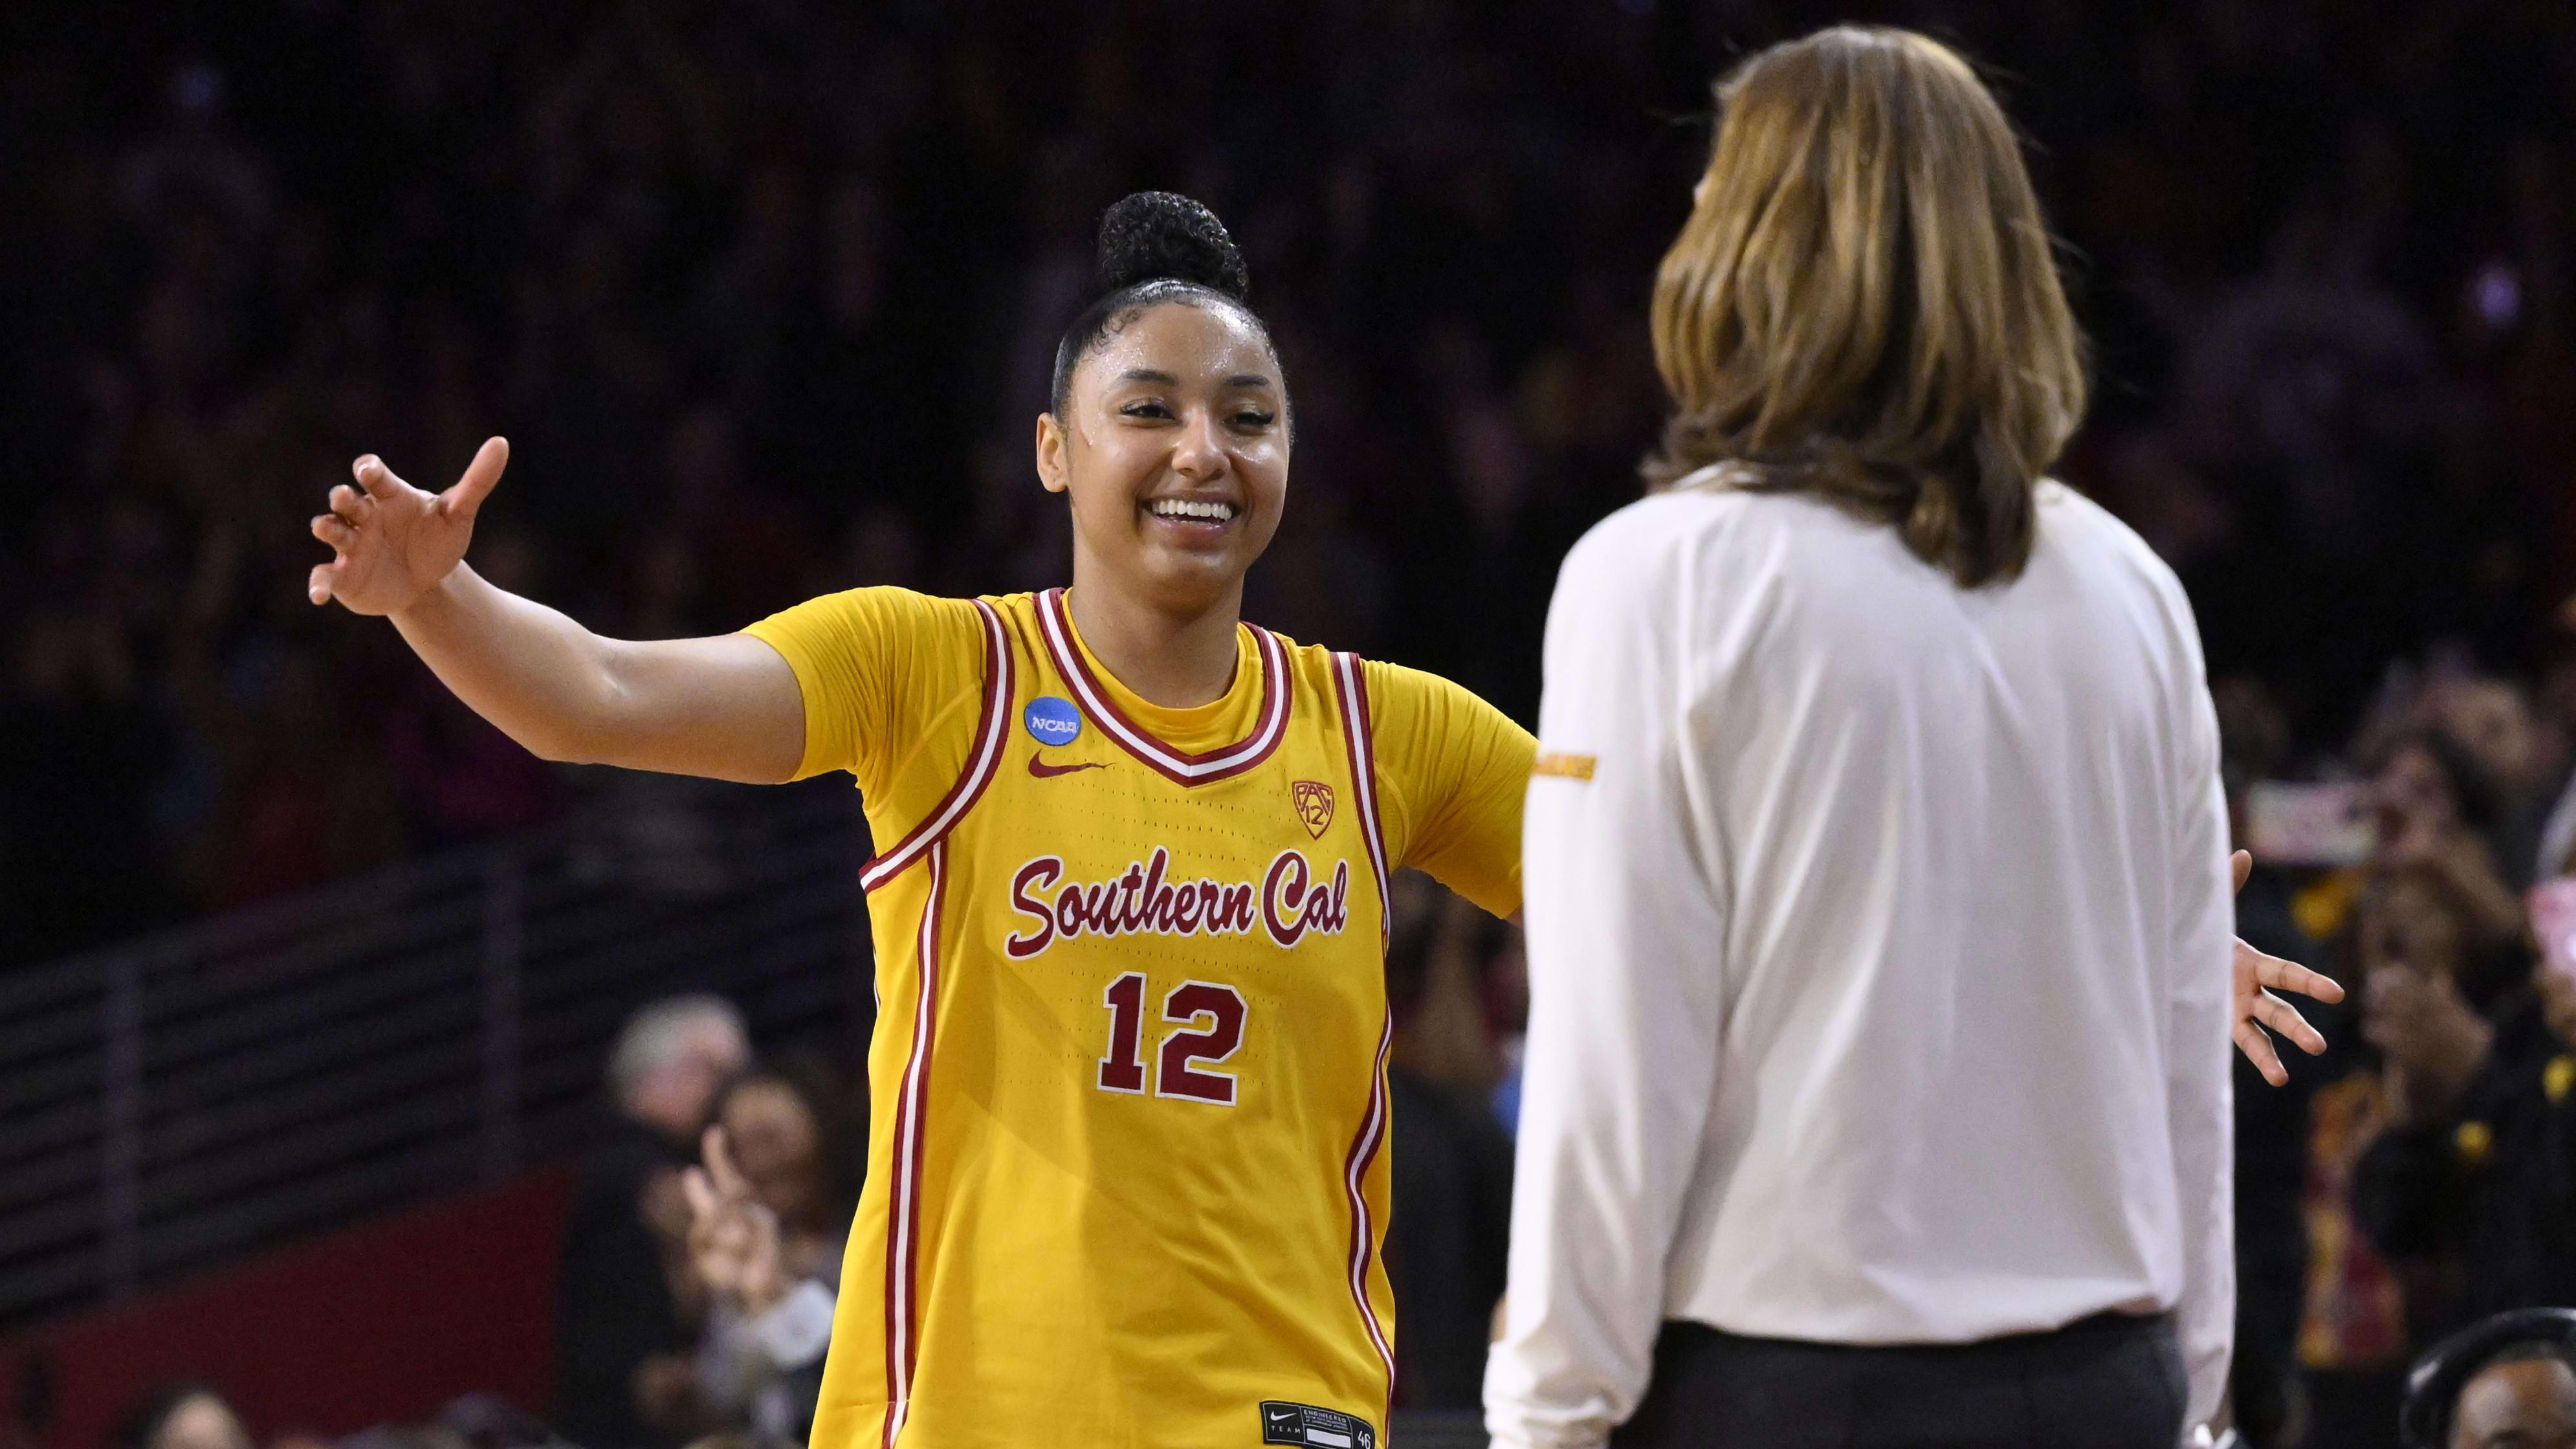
[1155, 236]
[1155, 247]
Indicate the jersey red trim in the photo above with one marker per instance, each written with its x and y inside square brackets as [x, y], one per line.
[1354, 1177]
[903, 1227]
[991, 727]
[1360, 744]
[1359, 739]
[1184, 768]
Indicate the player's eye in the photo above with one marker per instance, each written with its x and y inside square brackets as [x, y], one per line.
[1145, 408]
[1252, 419]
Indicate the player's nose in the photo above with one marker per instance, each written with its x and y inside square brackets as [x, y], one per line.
[1198, 451]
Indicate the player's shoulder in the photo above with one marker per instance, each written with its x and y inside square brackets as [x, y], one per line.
[887, 601]
[1321, 673]
[880, 621]
[1318, 672]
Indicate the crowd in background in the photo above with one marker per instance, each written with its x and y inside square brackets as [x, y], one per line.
[765, 294]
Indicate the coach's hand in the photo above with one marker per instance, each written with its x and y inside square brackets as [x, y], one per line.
[2257, 977]
[392, 542]
[733, 1239]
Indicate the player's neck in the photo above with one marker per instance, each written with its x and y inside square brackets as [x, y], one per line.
[1178, 660]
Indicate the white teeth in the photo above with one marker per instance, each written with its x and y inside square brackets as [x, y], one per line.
[1178, 508]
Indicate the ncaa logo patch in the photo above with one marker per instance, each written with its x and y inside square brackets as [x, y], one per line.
[1314, 802]
[1051, 721]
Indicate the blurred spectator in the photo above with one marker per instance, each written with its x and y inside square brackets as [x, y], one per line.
[2352, 1327]
[2524, 1396]
[623, 1375]
[2507, 1382]
[184, 1415]
[770, 1216]
[2479, 1164]
[2554, 845]
[2439, 814]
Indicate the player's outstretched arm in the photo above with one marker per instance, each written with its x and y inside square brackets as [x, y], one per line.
[726, 707]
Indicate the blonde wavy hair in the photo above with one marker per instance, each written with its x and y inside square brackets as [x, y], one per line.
[1865, 303]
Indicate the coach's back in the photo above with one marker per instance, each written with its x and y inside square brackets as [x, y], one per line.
[1910, 907]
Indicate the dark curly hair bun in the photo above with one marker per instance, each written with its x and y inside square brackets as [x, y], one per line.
[1158, 235]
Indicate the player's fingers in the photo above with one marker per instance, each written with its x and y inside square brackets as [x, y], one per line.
[2279, 975]
[375, 477]
[469, 491]
[2284, 1018]
[331, 530]
[2258, 1050]
[2241, 865]
[317, 584]
[351, 506]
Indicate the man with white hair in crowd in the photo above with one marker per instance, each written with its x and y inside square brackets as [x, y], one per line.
[621, 1346]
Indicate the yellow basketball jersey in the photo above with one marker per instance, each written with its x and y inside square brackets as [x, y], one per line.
[1128, 1174]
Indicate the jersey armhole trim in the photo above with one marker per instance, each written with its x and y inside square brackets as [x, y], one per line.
[1360, 742]
[990, 728]
[1361, 747]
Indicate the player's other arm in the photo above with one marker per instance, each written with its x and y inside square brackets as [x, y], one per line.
[1625, 927]
[1452, 770]
[726, 707]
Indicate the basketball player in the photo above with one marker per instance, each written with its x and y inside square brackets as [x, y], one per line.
[1128, 1167]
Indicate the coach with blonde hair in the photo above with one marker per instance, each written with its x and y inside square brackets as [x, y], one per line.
[1877, 866]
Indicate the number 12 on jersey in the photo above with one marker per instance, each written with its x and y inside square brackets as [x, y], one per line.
[1212, 1020]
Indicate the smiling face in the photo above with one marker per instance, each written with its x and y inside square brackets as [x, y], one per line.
[1173, 443]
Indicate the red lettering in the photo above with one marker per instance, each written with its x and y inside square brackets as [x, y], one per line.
[1287, 903]
[1157, 912]
[1129, 910]
[1041, 873]
[1281, 891]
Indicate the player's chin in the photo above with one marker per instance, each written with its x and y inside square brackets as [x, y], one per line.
[1194, 575]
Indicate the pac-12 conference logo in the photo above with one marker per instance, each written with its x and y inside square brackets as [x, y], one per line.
[1051, 721]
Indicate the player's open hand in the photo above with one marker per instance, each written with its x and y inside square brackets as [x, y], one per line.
[733, 1239]
[2257, 977]
[393, 543]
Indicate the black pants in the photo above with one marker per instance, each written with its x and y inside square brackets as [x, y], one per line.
[2109, 1382]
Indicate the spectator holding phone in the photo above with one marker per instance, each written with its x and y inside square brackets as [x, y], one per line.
[769, 1215]
[2480, 1159]
[2439, 810]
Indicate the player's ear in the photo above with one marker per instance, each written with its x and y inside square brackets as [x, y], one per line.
[1054, 469]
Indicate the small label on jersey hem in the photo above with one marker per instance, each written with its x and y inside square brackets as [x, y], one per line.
[1286, 1423]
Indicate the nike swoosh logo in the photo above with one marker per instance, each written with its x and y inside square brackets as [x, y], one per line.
[1283, 1418]
[1045, 771]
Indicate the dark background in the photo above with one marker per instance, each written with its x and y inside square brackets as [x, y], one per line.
[764, 295]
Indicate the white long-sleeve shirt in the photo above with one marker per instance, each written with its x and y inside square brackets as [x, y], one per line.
[1879, 943]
